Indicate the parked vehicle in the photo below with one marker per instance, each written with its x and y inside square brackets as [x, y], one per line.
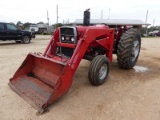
[42, 29]
[11, 32]
[38, 28]
[33, 28]
[154, 33]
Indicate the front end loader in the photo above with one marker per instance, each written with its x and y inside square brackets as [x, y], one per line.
[44, 78]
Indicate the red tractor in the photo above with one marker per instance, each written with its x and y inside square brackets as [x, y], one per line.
[43, 78]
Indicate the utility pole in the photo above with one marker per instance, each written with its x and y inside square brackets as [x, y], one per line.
[47, 17]
[48, 21]
[153, 21]
[146, 22]
[109, 14]
[57, 14]
[153, 24]
[146, 16]
[101, 14]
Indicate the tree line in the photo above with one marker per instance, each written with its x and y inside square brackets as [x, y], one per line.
[27, 24]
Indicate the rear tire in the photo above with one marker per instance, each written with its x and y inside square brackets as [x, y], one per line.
[129, 48]
[26, 39]
[98, 70]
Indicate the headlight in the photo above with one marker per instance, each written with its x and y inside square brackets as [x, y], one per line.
[62, 38]
[72, 39]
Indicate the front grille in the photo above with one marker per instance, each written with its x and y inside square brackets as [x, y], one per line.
[68, 35]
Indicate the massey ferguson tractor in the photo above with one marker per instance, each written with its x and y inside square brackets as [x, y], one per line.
[44, 78]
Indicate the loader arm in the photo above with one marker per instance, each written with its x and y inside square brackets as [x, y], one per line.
[90, 37]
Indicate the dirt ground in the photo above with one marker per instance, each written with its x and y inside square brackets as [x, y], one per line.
[127, 94]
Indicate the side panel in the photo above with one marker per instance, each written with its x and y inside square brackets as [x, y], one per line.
[2, 32]
[12, 32]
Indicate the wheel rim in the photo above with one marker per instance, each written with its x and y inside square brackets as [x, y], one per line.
[26, 39]
[135, 50]
[103, 72]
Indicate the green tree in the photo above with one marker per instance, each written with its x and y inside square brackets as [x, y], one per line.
[26, 25]
[57, 25]
[19, 23]
[40, 22]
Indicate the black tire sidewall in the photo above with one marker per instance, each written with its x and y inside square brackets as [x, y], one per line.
[136, 37]
[125, 46]
[93, 73]
[102, 62]
[24, 41]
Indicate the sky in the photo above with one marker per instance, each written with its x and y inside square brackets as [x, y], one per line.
[34, 11]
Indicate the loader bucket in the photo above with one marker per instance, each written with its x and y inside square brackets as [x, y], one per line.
[41, 81]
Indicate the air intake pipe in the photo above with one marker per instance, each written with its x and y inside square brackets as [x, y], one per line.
[86, 17]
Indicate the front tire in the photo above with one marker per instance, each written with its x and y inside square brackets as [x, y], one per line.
[26, 40]
[129, 48]
[98, 70]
